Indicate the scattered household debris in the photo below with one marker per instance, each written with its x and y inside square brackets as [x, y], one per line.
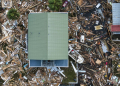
[93, 44]
[6, 3]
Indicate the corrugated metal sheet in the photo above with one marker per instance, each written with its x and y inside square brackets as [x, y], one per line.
[116, 13]
[48, 36]
[37, 36]
[57, 36]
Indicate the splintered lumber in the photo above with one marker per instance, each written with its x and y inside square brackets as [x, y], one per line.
[9, 48]
[3, 52]
[80, 2]
[30, 7]
[7, 66]
[85, 45]
[113, 48]
[38, 82]
[101, 51]
[88, 32]
[73, 42]
[20, 75]
[83, 4]
[73, 19]
[34, 5]
[110, 76]
[88, 6]
[57, 84]
[109, 33]
[15, 4]
[4, 38]
[92, 61]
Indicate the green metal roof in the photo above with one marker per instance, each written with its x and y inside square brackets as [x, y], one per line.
[48, 36]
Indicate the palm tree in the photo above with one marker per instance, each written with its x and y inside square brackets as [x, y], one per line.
[13, 14]
[55, 4]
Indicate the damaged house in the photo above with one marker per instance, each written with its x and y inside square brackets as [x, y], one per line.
[115, 28]
[48, 39]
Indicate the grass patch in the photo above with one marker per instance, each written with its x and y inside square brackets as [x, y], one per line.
[69, 73]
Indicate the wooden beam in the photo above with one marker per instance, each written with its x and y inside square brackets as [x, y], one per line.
[30, 7]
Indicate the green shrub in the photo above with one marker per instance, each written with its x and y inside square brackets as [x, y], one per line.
[55, 4]
[13, 14]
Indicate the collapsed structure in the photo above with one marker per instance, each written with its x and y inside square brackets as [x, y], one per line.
[115, 28]
[34, 47]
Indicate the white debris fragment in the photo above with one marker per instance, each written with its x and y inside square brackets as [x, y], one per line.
[98, 5]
